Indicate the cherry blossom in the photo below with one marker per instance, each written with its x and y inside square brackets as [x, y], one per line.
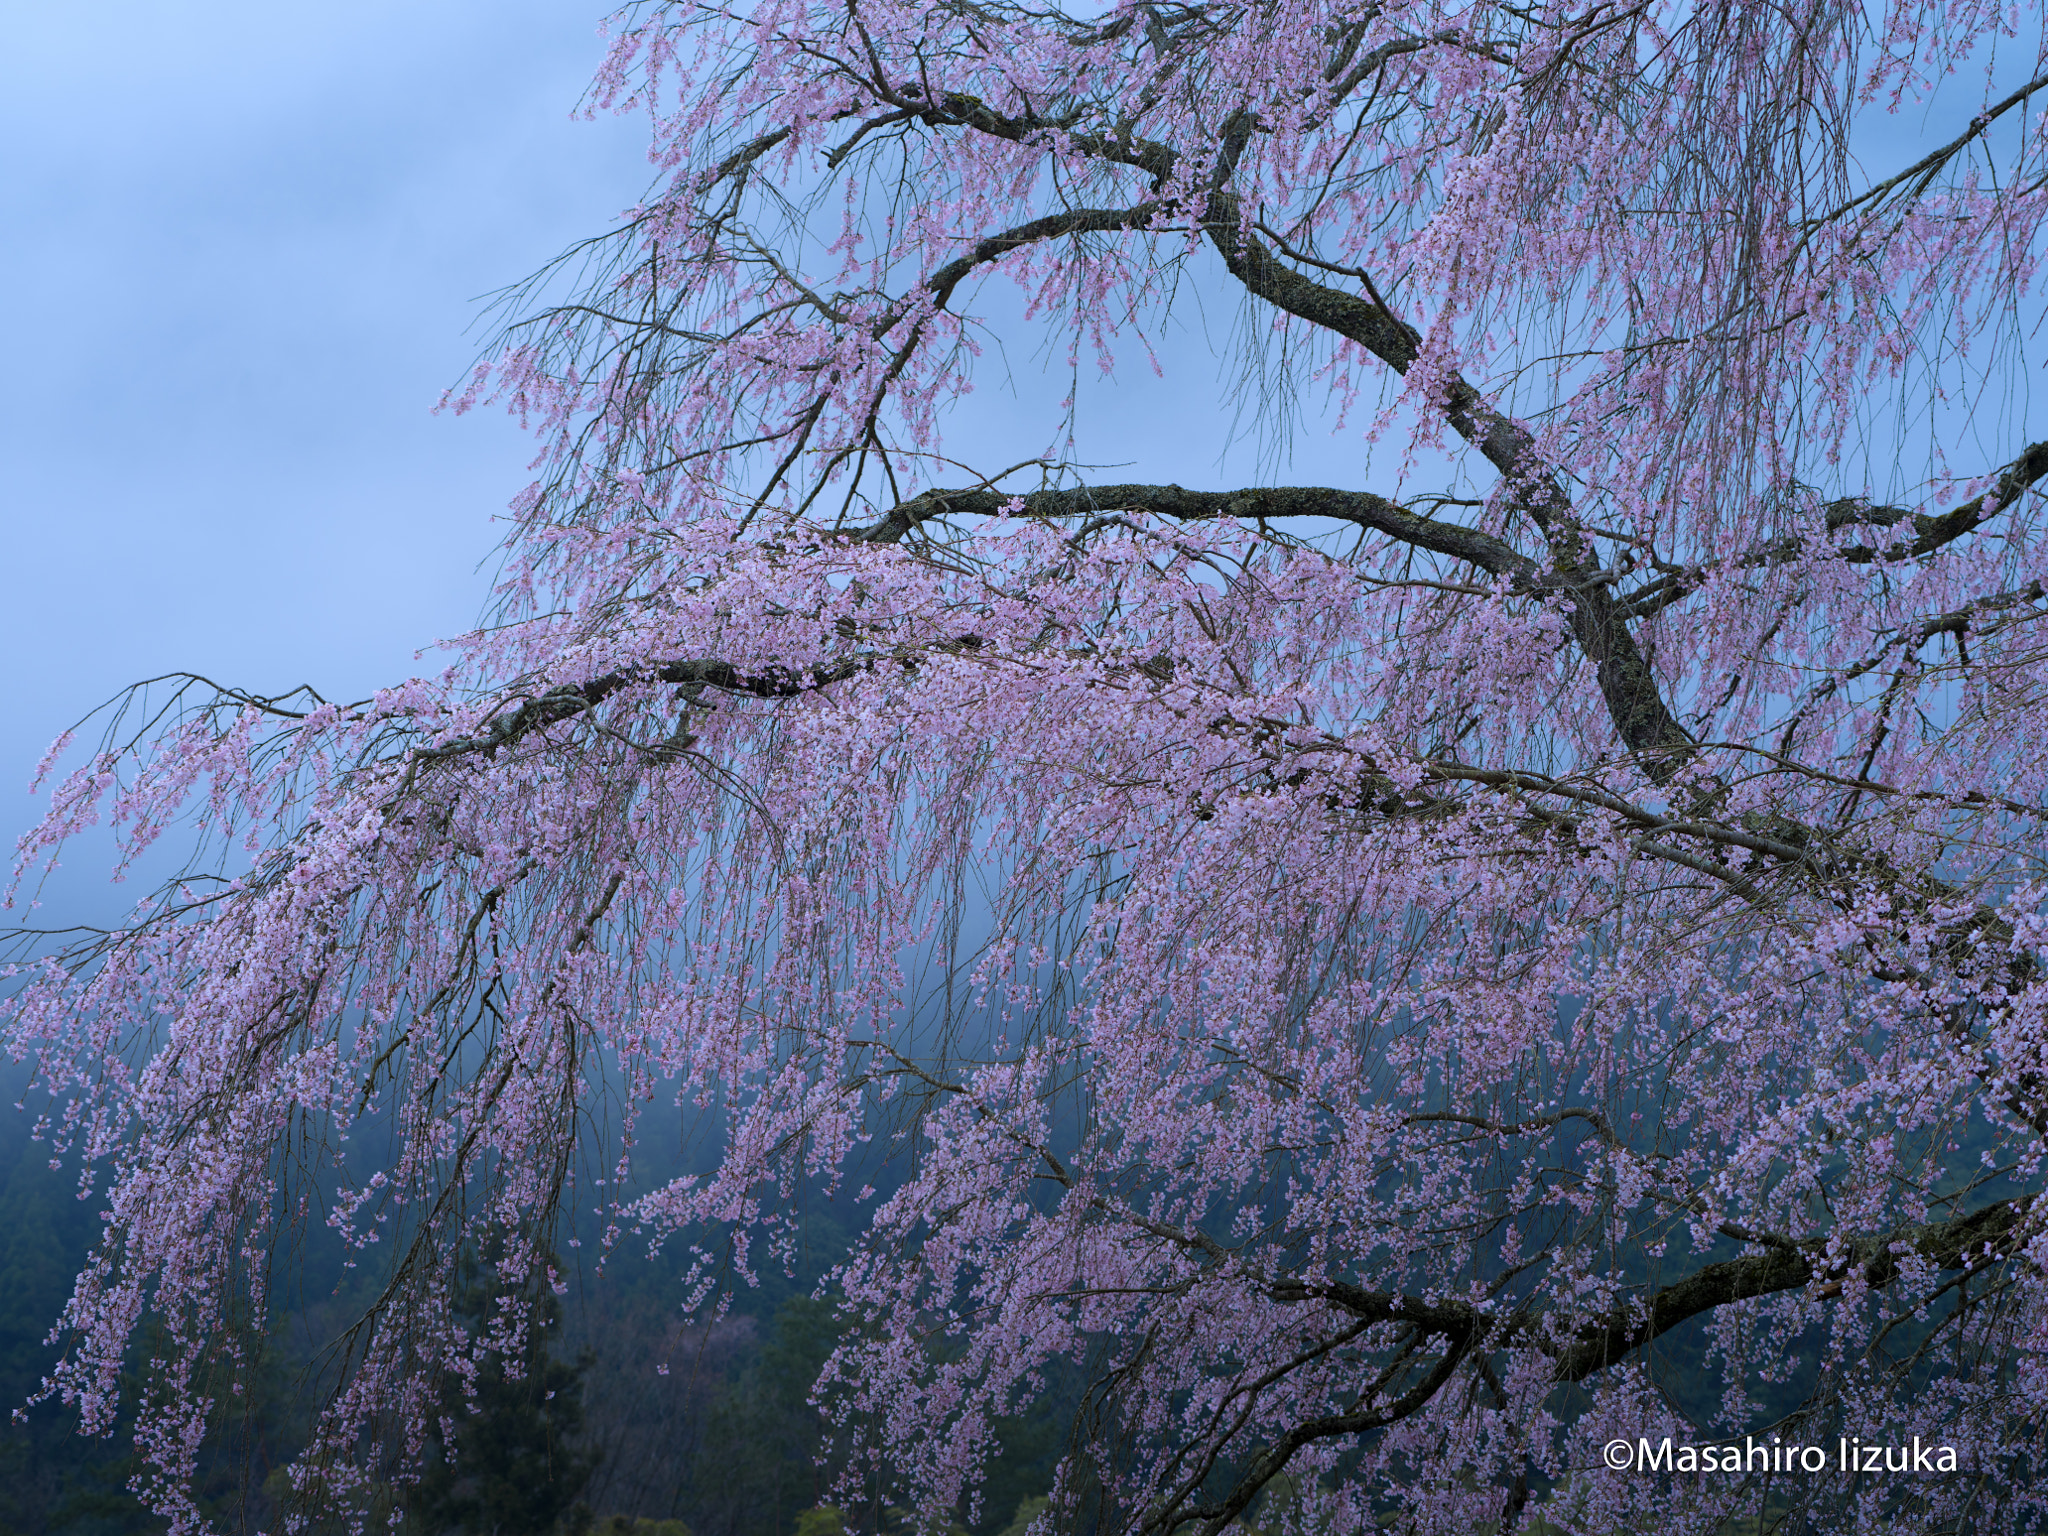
[1348, 972]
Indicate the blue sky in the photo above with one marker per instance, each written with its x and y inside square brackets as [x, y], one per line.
[239, 248]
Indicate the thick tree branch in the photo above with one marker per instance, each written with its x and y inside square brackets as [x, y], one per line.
[1930, 533]
[1360, 508]
[1634, 703]
[1961, 1243]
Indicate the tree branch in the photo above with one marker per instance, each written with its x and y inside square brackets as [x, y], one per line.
[1961, 1243]
[1634, 703]
[1360, 508]
[1930, 533]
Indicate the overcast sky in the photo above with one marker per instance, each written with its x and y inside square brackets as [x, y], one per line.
[240, 249]
[239, 245]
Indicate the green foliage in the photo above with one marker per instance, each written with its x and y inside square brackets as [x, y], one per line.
[51, 1478]
[758, 1470]
[514, 1466]
[1027, 1511]
[48, 1477]
[825, 1520]
[1031, 1446]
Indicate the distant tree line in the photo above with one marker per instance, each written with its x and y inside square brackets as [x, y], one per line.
[615, 1420]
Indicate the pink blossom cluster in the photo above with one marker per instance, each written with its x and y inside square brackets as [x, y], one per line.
[1399, 956]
